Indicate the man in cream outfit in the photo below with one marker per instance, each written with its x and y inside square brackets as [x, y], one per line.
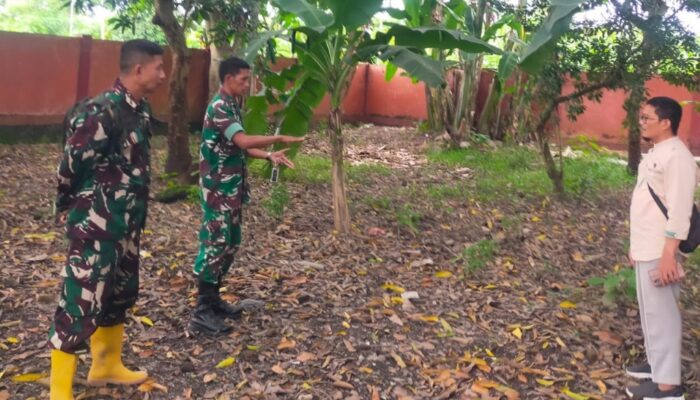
[671, 172]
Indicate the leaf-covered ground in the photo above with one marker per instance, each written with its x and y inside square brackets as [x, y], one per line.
[439, 293]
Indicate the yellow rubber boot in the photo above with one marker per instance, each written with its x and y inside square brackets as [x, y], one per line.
[107, 367]
[63, 367]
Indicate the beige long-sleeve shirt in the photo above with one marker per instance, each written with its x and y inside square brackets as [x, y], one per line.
[671, 171]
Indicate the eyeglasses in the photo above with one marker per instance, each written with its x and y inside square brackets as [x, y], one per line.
[644, 119]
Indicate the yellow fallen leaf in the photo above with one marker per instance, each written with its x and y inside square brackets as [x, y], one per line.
[601, 386]
[32, 377]
[489, 352]
[146, 254]
[398, 359]
[574, 396]
[226, 362]
[47, 237]
[567, 304]
[577, 256]
[147, 232]
[561, 343]
[443, 274]
[545, 382]
[366, 370]
[542, 237]
[517, 332]
[253, 347]
[429, 318]
[12, 340]
[146, 321]
[346, 324]
[490, 286]
[396, 300]
[393, 288]
[306, 385]
[446, 326]
[536, 219]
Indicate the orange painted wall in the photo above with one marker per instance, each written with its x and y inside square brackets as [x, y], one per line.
[604, 121]
[39, 80]
[38, 77]
[398, 99]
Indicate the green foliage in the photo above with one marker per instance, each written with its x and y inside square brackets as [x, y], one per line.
[379, 203]
[478, 255]
[511, 171]
[276, 201]
[616, 284]
[543, 42]
[364, 173]
[408, 217]
[174, 191]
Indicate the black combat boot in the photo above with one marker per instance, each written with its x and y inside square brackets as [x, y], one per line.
[205, 319]
[226, 310]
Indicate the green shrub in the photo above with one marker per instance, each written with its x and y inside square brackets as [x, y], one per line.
[408, 217]
[276, 201]
[478, 255]
[616, 284]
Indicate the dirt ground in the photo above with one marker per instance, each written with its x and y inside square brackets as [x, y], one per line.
[341, 321]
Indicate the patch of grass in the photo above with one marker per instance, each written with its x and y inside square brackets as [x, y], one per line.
[620, 283]
[363, 173]
[478, 255]
[316, 169]
[408, 217]
[308, 169]
[378, 202]
[276, 201]
[439, 193]
[510, 169]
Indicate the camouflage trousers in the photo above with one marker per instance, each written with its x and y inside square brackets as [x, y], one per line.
[219, 240]
[100, 282]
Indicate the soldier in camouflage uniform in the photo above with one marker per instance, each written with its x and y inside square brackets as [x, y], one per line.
[222, 169]
[103, 187]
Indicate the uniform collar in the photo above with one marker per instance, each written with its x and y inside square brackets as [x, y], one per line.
[128, 97]
[227, 97]
[665, 143]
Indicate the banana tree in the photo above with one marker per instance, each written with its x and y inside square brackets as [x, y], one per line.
[329, 41]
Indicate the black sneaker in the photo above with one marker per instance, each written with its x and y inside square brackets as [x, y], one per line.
[205, 320]
[642, 371]
[650, 391]
[226, 310]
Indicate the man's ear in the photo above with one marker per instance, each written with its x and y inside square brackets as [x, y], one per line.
[665, 123]
[138, 68]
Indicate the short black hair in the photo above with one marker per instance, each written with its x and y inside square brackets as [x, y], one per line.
[667, 108]
[231, 66]
[136, 52]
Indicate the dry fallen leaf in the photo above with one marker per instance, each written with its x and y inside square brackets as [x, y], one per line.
[286, 344]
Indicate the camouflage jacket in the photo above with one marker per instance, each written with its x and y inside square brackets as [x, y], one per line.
[106, 193]
[222, 164]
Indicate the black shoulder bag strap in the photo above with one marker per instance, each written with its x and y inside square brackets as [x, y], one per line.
[658, 201]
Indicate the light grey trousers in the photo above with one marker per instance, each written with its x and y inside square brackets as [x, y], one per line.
[661, 324]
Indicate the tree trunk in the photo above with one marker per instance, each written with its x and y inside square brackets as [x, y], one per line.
[435, 109]
[632, 105]
[179, 159]
[556, 174]
[341, 213]
[490, 113]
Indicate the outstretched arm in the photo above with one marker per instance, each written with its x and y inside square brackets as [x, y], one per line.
[277, 157]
